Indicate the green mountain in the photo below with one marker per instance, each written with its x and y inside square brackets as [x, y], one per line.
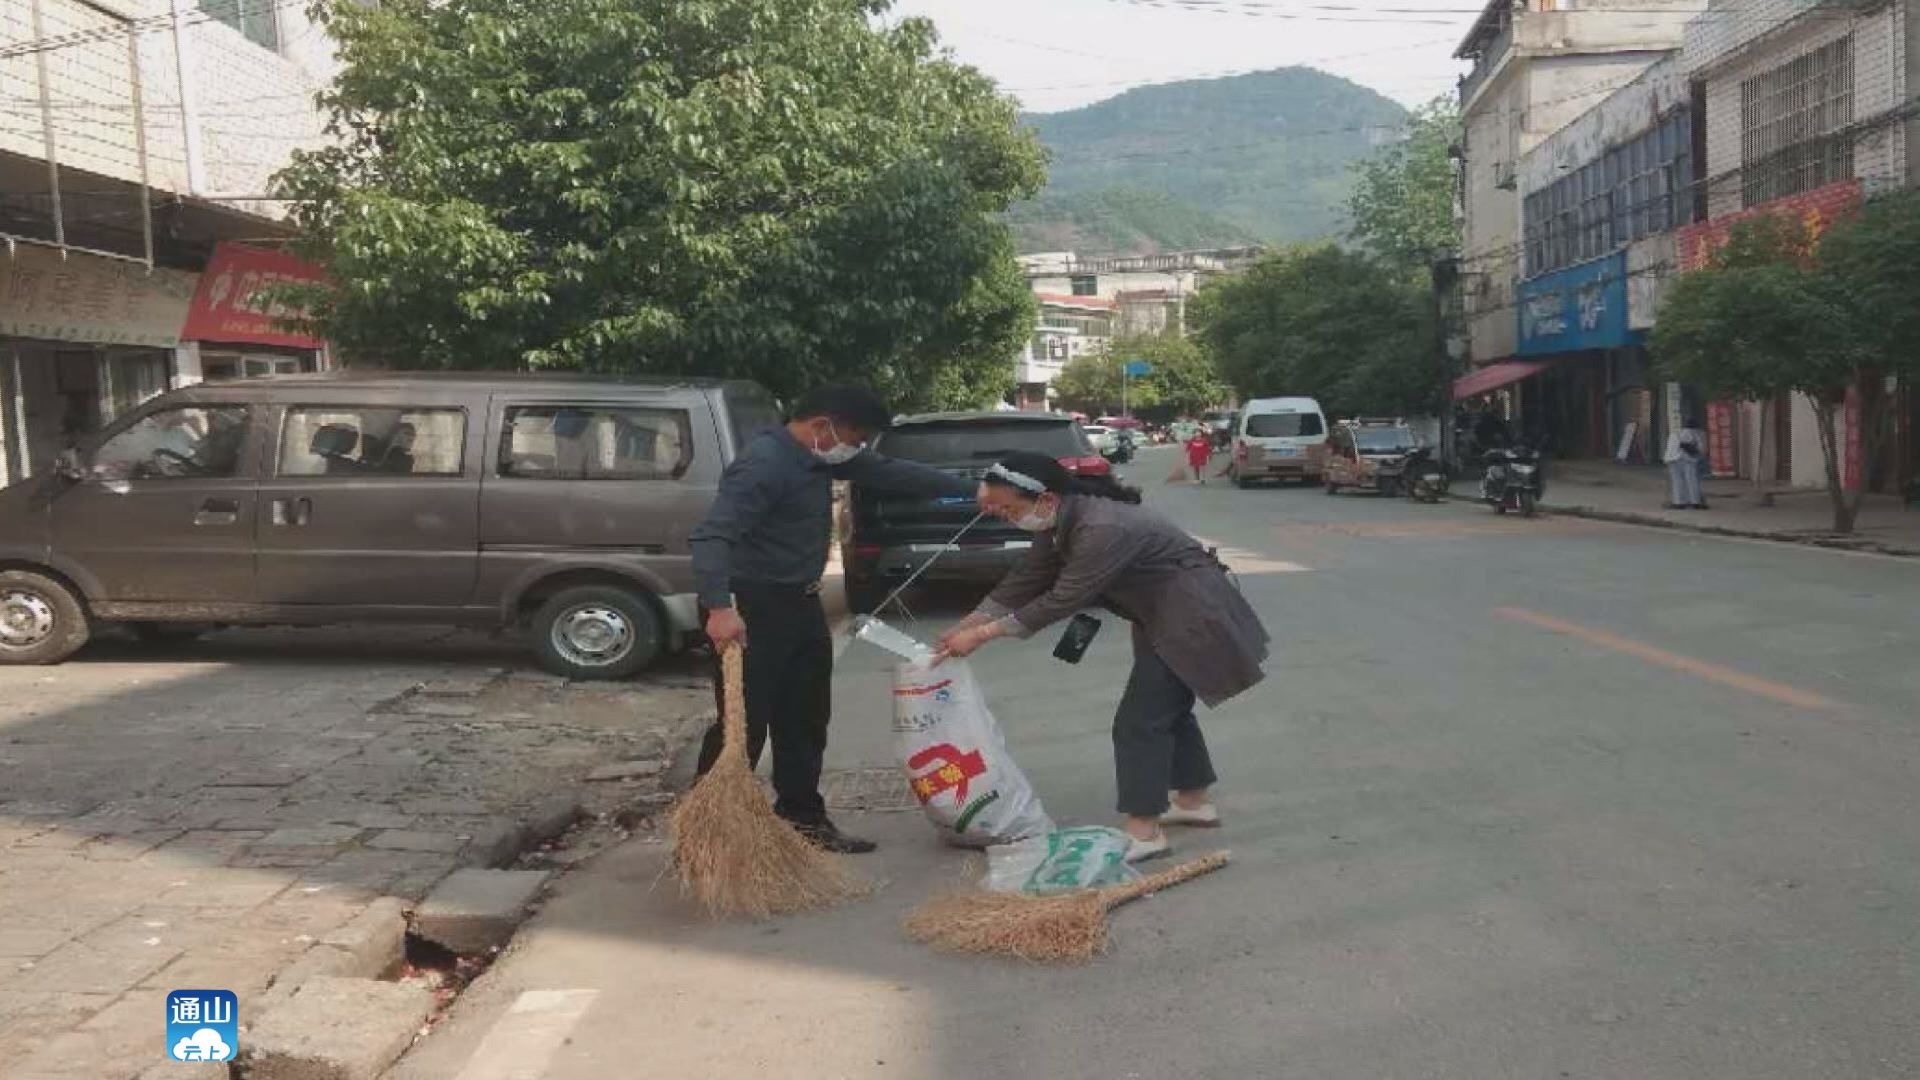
[1205, 163]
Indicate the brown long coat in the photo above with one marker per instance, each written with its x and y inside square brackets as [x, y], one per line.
[1143, 567]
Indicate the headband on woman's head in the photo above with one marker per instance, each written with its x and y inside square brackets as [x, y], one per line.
[1018, 479]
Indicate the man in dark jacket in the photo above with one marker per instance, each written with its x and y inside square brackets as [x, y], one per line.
[757, 562]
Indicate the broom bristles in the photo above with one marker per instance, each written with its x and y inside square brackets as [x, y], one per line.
[1066, 929]
[734, 855]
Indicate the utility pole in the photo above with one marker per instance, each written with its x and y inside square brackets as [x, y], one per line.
[1445, 270]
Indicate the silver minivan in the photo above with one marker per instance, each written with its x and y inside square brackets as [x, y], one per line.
[554, 503]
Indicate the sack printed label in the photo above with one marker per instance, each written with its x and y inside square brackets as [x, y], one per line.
[941, 768]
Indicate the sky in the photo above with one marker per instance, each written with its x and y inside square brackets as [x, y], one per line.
[1061, 54]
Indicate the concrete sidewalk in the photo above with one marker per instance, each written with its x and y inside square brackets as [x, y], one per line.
[1637, 494]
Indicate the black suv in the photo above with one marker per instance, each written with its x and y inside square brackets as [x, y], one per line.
[892, 535]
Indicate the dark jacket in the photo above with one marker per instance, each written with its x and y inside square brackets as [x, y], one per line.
[1146, 569]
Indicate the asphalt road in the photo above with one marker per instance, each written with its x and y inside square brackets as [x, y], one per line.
[1519, 799]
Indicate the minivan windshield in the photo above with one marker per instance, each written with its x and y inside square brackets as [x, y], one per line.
[1285, 425]
[958, 441]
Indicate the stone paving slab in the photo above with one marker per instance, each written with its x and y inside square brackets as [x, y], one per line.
[211, 824]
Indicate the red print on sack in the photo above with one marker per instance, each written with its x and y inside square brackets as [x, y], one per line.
[951, 771]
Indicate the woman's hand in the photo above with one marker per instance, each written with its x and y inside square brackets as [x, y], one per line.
[963, 640]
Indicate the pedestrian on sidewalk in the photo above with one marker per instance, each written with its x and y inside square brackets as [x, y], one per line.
[1686, 450]
[757, 562]
[1199, 453]
[1194, 635]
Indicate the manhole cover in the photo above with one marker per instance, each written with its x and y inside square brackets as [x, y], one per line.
[867, 789]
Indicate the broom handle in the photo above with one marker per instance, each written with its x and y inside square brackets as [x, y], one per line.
[733, 716]
[1165, 879]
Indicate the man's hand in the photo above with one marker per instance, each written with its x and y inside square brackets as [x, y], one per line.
[724, 628]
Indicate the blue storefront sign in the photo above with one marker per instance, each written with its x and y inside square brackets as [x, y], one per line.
[1581, 307]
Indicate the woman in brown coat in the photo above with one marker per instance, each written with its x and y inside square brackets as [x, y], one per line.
[1194, 635]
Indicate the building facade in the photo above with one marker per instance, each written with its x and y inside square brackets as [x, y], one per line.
[1806, 107]
[1086, 303]
[137, 143]
[1536, 66]
[1602, 203]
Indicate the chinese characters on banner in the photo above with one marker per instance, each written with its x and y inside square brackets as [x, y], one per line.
[1819, 208]
[1853, 460]
[231, 304]
[81, 297]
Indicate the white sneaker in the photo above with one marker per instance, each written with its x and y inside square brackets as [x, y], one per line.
[1142, 850]
[1207, 817]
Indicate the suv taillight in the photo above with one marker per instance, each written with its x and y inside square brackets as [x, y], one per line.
[1087, 466]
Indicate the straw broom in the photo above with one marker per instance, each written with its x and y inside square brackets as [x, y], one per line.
[1066, 929]
[733, 853]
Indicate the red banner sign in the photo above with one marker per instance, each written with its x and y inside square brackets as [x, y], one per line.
[1818, 208]
[1723, 447]
[229, 305]
[1855, 457]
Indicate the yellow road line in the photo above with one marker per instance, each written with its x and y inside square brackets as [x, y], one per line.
[1672, 661]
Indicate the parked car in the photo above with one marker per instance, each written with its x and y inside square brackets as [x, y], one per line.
[553, 503]
[1369, 455]
[1104, 440]
[1279, 439]
[890, 536]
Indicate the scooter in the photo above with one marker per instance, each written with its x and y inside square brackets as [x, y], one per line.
[1513, 481]
[1122, 448]
[1424, 479]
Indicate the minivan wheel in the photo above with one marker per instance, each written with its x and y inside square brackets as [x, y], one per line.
[41, 620]
[596, 632]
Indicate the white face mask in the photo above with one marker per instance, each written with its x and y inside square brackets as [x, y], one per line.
[1036, 520]
[839, 453]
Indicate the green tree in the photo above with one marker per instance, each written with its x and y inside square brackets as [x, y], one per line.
[1760, 320]
[1779, 310]
[1184, 377]
[1091, 384]
[1403, 196]
[1325, 323]
[790, 192]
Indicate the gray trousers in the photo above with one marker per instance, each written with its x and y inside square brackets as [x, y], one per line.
[1157, 745]
[1684, 478]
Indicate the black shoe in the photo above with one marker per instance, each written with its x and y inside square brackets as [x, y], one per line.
[827, 836]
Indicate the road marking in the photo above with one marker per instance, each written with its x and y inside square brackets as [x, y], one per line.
[524, 1041]
[1686, 665]
[1242, 561]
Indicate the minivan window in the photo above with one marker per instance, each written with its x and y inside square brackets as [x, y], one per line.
[594, 442]
[961, 441]
[174, 444]
[1285, 425]
[352, 440]
[750, 415]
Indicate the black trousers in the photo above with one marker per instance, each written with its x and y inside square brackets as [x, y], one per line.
[1157, 745]
[789, 685]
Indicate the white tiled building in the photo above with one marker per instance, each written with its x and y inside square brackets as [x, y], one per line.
[136, 137]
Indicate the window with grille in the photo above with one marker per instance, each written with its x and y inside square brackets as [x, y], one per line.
[1794, 123]
[257, 19]
[1634, 190]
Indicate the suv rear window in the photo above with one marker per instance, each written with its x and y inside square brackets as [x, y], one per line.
[1285, 426]
[953, 442]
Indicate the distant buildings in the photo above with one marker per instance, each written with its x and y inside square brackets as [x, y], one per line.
[1086, 303]
[1612, 147]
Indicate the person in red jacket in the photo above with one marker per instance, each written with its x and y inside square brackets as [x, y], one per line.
[1199, 453]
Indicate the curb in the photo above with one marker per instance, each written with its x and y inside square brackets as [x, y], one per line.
[1649, 521]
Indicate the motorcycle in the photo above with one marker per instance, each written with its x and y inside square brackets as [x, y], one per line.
[1425, 481]
[1122, 448]
[1514, 481]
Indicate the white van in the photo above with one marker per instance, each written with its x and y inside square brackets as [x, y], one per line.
[1279, 439]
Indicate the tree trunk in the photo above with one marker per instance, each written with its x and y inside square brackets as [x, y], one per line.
[1823, 414]
[1876, 416]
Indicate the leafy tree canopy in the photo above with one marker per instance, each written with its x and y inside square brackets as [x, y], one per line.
[1325, 323]
[1183, 378]
[789, 192]
[1402, 202]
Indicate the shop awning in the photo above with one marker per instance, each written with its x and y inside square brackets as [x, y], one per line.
[1494, 376]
